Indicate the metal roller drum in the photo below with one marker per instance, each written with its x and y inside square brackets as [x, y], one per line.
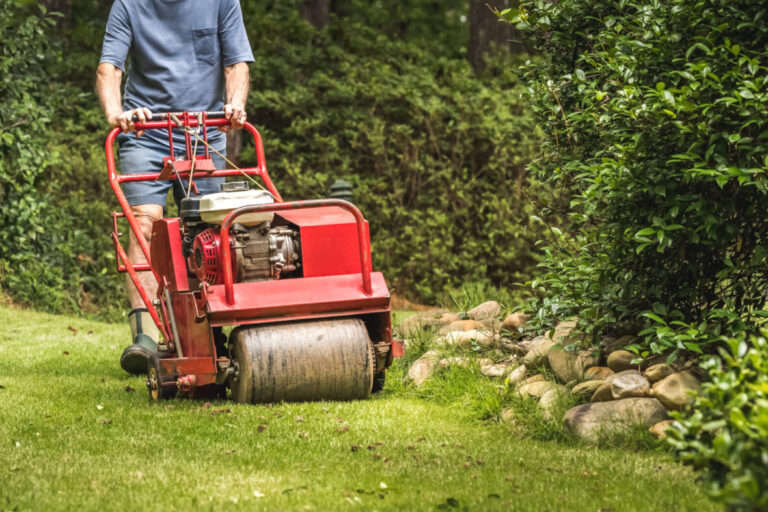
[302, 361]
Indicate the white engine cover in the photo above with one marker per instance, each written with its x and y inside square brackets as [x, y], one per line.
[215, 207]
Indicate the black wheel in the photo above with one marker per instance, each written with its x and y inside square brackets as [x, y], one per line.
[160, 388]
[378, 381]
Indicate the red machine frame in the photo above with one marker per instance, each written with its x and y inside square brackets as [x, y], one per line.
[186, 318]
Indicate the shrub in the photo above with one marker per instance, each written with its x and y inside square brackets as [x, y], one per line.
[655, 117]
[437, 156]
[727, 434]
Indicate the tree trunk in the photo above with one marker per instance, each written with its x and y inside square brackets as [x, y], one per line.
[316, 12]
[486, 33]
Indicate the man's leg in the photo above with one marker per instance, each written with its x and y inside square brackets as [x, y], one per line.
[143, 329]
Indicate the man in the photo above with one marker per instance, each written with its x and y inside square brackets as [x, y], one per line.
[185, 55]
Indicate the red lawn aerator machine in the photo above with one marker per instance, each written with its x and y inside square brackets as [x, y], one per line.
[309, 319]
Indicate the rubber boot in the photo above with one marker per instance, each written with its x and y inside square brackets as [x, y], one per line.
[145, 334]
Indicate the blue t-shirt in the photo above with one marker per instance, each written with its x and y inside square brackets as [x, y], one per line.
[178, 51]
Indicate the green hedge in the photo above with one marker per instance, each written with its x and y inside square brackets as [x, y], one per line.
[655, 116]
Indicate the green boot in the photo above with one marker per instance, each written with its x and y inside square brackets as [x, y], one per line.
[145, 334]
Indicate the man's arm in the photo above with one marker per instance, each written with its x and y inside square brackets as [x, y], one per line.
[108, 79]
[236, 80]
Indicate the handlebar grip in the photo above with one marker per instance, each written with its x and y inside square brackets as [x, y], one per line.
[164, 115]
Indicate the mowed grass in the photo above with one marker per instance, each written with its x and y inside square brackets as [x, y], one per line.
[76, 433]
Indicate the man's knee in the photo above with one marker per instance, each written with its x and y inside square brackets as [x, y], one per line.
[146, 215]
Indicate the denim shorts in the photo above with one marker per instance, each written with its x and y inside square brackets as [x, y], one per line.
[145, 154]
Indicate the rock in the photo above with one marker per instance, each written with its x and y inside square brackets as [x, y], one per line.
[464, 339]
[568, 365]
[608, 344]
[514, 321]
[659, 430]
[517, 375]
[538, 350]
[490, 309]
[598, 373]
[658, 371]
[629, 385]
[534, 378]
[422, 368]
[463, 362]
[537, 389]
[458, 326]
[675, 391]
[520, 349]
[563, 331]
[602, 393]
[420, 321]
[586, 388]
[548, 402]
[508, 416]
[449, 318]
[621, 360]
[494, 370]
[589, 420]
[605, 391]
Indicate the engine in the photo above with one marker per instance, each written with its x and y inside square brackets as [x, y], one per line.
[260, 251]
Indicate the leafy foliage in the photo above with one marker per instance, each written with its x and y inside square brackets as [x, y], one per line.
[437, 156]
[655, 116]
[727, 435]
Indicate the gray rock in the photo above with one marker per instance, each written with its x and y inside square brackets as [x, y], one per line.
[548, 402]
[517, 375]
[586, 388]
[464, 339]
[538, 350]
[463, 362]
[449, 318]
[563, 333]
[588, 421]
[490, 309]
[677, 391]
[602, 393]
[658, 371]
[422, 368]
[568, 365]
[621, 360]
[508, 416]
[629, 385]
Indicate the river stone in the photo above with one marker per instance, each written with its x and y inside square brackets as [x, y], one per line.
[621, 360]
[586, 388]
[537, 389]
[602, 393]
[563, 331]
[464, 338]
[514, 321]
[517, 375]
[598, 373]
[567, 365]
[538, 350]
[420, 321]
[458, 326]
[449, 318]
[608, 344]
[659, 430]
[675, 391]
[658, 371]
[589, 420]
[422, 368]
[534, 378]
[629, 385]
[548, 402]
[494, 370]
[490, 309]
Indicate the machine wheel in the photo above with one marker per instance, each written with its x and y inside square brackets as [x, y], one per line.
[378, 381]
[155, 380]
[302, 361]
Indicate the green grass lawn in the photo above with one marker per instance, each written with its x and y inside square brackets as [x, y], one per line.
[76, 433]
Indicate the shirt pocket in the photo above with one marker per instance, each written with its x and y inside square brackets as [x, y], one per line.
[206, 44]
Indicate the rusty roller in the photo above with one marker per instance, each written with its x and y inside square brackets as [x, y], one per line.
[302, 361]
